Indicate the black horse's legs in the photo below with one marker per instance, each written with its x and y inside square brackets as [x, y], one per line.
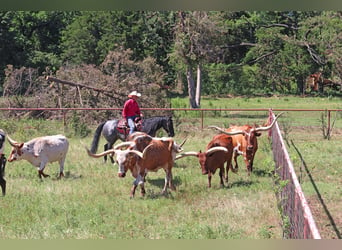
[110, 146]
[2, 173]
[105, 149]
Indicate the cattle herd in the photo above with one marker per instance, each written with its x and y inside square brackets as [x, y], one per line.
[142, 153]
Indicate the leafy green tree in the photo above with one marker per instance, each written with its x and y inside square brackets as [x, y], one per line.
[321, 36]
[94, 34]
[31, 38]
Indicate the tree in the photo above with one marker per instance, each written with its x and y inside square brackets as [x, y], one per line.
[321, 36]
[31, 39]
[196, 35]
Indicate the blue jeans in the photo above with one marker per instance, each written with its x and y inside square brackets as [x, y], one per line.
[131, 124]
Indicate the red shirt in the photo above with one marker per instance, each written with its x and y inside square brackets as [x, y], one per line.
[131, 108]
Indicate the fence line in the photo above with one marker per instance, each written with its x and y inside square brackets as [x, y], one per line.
[202, 111]
[292, 200]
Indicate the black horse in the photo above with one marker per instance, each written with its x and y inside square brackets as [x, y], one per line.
[112, 131]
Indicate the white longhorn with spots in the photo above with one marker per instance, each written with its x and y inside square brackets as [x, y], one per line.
[40, 151]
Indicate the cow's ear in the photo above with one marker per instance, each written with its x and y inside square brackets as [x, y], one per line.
[21, 145]
[257, 134]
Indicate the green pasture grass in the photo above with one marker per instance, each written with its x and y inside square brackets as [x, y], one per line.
[291, 102]
[293, 119]
[91, 202]
[317, 162]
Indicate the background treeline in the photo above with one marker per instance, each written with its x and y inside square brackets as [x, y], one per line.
[163, 53]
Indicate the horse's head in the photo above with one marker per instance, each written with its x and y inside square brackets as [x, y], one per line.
[169, 127]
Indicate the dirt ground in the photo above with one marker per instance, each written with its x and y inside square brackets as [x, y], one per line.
[328, 217]
[326, 212]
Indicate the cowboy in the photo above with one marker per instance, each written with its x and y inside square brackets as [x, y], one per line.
[131, 110]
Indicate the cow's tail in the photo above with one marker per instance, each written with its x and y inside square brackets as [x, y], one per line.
[96, 138]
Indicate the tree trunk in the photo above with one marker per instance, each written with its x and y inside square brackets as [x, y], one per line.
[198, 87]
[191, 87]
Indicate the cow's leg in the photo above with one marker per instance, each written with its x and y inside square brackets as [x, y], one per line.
[41, 171]
[61, 168]
[142, 190]
[138, 181]
[251, 162]
[134, 187]
[226, 173]
[168, 180]
[221, 174]
[248, 164]
[236, 168]
[229, 166]
[171, 185]
[209, 179]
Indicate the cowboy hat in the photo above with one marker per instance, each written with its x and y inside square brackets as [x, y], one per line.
[134, 93]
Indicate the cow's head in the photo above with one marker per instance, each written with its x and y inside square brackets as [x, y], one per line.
[251, 139]
[126, 160]
[16, 151]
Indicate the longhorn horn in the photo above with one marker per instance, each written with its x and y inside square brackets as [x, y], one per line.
[181, 145]
[215, 149]
[190, 153]
[138, 153]
[270, 126]
[145, 150]
[110, 151]
[125, 144]
[237, 132]
[13, 142]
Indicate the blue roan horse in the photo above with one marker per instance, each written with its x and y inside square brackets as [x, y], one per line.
[112, 132]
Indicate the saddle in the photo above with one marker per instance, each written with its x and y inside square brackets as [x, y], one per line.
[123, 127]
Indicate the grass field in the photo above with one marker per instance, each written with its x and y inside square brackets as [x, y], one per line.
[91, 202]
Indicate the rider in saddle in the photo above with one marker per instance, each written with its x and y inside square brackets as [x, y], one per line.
[131, 110]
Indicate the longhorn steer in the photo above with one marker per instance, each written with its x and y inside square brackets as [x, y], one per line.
[245, 141]
[218, 152]
[2, 162]
[40, 151]
[145, 154]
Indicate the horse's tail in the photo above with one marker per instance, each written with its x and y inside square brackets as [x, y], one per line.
[96, 138]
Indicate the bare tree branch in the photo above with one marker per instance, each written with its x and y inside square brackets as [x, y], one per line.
[280, 25]
[79, 85]
[240, 45]
[260, 57]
